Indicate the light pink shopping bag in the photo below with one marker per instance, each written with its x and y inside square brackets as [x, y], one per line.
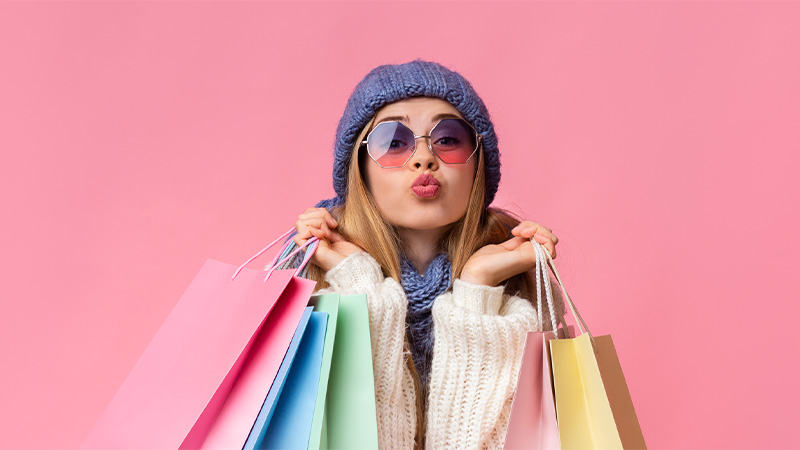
[533, 422]
[177, 387]
[238, 413]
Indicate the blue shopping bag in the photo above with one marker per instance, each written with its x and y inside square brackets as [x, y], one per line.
[285, 418]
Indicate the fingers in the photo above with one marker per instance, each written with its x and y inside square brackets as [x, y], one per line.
[513, 243]
[335, 237]
[539, 233]
[311, 227]
[314, 213]
[314, 222]
[517, 242]
[528, 229]
[548, 245]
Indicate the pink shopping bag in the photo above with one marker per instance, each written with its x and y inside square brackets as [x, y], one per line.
[533, 423]
[177, 387]
[235, 420]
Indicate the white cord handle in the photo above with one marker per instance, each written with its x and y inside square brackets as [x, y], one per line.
[579, 319]
[541, 271]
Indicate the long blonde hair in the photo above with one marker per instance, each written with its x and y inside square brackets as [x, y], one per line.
[361, 222]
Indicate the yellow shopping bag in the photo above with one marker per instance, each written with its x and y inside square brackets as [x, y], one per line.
[594, 409]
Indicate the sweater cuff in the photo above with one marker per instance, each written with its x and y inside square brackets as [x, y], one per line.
[477, 297]
[355, 273]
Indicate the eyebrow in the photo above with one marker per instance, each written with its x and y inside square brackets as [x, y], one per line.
[434, 119]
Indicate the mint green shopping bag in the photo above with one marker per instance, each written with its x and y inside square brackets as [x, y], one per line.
[327, 303]
[345, 414]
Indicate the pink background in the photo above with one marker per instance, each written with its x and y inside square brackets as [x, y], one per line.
[659, 141]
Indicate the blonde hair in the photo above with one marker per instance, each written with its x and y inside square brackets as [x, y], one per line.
[361, 222]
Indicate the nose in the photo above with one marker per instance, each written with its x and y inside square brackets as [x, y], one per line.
[423, 157]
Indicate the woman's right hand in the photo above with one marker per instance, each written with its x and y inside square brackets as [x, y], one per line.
[332, 247]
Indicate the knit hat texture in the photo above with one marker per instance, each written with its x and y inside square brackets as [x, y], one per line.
[392, 82]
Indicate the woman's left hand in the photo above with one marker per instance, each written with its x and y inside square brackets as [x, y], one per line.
[493, 264]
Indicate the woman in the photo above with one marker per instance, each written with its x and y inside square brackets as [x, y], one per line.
[448, 280]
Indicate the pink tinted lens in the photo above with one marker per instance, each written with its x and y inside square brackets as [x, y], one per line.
[390, 144]
[453, 141]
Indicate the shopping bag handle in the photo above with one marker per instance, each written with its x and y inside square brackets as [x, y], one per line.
[572, 307]
[541, 272]
[272, 264]
[306, 258]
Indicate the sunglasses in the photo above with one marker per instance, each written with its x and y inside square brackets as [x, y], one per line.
[391, 144]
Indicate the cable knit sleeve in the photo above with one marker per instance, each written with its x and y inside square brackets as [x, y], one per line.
[395, 397]
[479, 336]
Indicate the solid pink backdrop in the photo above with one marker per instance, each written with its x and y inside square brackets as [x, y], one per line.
[658, 140]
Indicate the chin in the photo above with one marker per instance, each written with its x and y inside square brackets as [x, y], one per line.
[425, 222]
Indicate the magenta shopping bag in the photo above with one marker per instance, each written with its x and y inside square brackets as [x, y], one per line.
[173, 394]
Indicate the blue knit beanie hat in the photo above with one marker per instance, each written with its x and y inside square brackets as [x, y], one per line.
[392, 82]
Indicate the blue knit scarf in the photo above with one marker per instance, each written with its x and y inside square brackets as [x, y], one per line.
[421, 291]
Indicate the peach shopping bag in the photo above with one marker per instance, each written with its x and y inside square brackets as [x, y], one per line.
[593, 404]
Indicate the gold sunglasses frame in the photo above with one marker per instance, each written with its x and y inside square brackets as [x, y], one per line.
[478, 142]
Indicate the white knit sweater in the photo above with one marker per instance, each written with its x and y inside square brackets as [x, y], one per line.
[479, 336]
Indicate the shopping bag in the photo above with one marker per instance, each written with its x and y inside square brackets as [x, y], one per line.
[593, 404]
[533, 413]
[173, 393]
[237, 416]
[350, 417]
[533, 424]
[285, 418]
[344, 415]
[328, 303]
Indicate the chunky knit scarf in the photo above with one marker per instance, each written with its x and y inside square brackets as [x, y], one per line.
[421, 291]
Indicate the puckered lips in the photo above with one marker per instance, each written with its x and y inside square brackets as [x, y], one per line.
[425, 186]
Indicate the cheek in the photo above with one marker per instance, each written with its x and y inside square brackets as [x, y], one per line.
[466, 179]
[462, 188]
[379, 182]
[376, 179]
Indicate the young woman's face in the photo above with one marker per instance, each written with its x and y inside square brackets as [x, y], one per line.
[420, 207]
